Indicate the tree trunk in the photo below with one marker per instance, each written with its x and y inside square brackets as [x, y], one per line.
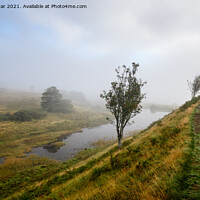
[119, 137]
[119, 143]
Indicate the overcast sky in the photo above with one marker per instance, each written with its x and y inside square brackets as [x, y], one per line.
[79, 49]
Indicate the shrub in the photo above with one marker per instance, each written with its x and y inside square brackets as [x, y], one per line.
[37, 113]
[23, 115]
[5, 117]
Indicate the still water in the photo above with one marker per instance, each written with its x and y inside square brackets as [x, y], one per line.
[78, 141]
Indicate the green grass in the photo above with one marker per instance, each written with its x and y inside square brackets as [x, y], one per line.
[186, 184]
[20, 173]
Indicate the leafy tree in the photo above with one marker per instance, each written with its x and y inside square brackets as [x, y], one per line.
[124, 98]
[194, 86]
[52, 101]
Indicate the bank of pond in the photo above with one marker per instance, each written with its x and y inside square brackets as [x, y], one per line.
[76, 142]
[69, 145]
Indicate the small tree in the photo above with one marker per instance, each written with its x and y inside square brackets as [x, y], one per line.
[124, 98]
[194, 86]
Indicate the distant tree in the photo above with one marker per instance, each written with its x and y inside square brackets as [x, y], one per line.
[194, 86]
[124, 98]
[52, 101]
[64, 106]
[76, 97]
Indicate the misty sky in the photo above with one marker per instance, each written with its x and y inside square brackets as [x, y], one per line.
[79, 49]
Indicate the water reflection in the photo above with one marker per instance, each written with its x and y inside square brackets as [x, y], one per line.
[81, 140]
[51, 148]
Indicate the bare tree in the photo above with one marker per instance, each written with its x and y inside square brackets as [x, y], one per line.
[124, 98]
[194, 86]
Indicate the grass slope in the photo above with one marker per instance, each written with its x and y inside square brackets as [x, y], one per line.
[154, 164]
[186, 184]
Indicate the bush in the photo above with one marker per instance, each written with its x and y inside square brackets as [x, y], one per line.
[37, 113]
[23, 115]
[5, 117]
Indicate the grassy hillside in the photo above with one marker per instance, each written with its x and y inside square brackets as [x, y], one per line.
[161, 162]
[13, 100]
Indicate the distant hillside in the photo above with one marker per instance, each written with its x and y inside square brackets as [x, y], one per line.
[14, 99]
[161, 162]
